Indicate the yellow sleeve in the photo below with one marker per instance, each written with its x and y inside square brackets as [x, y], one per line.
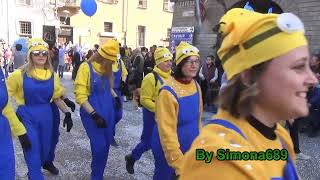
[147, 91]
[17, 127]
[167, 120]
[58, 88]
[82, 84]
[15, 87]
[123, 69]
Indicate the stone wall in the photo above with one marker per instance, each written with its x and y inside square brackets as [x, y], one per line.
[204, 38]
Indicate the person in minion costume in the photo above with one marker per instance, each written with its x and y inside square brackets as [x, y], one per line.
[34, 87]
[150, 87]
[93, 87]
[120, 74]
[9, 125]
[177, 113]
[266, 60]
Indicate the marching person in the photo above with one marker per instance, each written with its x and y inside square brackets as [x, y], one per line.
[93, 93]
[266, 60]
[34, 87]
[177, 113]
[9, 125]
[149, 93]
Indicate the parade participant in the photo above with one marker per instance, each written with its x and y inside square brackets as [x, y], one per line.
[149, 92]
[34, 86]
[93, 93]
[178, 114]
[9, 120]
[264, 87]
[120, 74]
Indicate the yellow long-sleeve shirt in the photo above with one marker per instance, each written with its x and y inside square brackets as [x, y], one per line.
[214, 137]
[124, 71]
[149, 92]
[16, 126]
[15, 84]
[167, 119]
[82, 82]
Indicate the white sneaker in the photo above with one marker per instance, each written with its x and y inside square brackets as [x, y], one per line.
[302, 156]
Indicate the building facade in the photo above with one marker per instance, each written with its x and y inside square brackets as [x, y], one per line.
[135, 23]
[185, 15]
[25, 18]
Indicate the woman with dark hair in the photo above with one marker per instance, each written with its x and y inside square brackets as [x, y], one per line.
[177, 114]
[266, 60]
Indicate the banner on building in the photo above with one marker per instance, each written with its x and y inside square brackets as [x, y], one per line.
[49, 34]
[179, 34]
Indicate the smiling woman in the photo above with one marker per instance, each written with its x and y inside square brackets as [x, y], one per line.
[266, 61]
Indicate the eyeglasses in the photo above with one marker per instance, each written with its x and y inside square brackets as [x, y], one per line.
[250, 8]
[37, 53]
[190, 62]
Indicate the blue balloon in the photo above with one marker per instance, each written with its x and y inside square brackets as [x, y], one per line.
[24, 42]
[88, 7]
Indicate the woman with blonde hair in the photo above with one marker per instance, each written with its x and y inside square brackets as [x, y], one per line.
[34, 87]
[93, 91]
[266, 60]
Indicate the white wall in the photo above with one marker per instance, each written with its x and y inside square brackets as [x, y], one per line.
[35, 13]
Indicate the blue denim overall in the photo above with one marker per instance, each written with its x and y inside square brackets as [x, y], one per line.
[187, 131]
[101, 100]
[148, 125]
[7, 162]
[36, 116]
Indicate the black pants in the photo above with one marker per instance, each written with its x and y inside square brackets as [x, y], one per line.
[294, 134]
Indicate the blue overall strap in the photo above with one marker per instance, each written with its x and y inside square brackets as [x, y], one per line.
[168, 88]
[227, 125]
[158, 77]
[290, 172]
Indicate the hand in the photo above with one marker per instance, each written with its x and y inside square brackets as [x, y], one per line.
[117, 103]
[100, 122]
[70, 104]
[25, 142]
[68, 121]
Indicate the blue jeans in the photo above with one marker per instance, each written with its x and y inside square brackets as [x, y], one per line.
[61, 70]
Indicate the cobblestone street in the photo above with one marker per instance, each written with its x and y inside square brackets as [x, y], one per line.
[73, 154]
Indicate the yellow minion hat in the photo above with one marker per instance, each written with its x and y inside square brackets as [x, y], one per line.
[36, 44]
[184, 50]
[251, 38]
[110, 50]
[161, 55]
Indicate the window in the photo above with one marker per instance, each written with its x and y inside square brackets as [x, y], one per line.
[23, 2]
[168, 6]
[142, 4]
[141, 35]
[65, 21]
[107, 26]
[25, 28]
[168, 34]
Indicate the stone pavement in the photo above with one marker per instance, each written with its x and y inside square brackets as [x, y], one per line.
[73, 154]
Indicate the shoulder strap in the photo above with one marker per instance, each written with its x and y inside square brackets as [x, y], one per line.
[156, 78]
[227, 125]
[168, 88]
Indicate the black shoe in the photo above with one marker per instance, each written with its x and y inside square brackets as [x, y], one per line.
[51, 168]
[114, 143]
[129, 163]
